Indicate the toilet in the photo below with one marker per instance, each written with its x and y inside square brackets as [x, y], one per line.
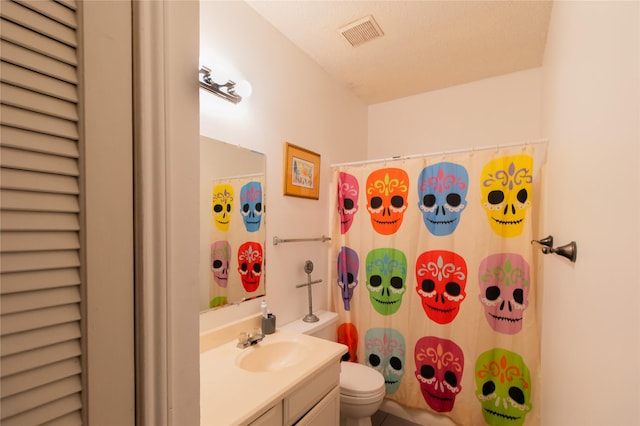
[361, 387]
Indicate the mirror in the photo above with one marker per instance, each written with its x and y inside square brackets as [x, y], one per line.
[232, 224]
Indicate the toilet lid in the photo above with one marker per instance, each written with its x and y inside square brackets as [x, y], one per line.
[359, 380]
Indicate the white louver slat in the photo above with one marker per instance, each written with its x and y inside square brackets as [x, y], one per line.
[36, 122]
[27, 361]
[43, 64]
[21, 262]
[61, 11]
[18, 200]
[40, 246]
[44, 22]
[60, 407]
[38, 221]
[44, 394]
[29, 181]
[38, 142]
[37, 82]
[27, 320]
[36, 280]
[37, 42]
[38, 162]
[48, 105]
[35, 241]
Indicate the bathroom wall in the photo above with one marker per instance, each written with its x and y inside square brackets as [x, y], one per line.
[591, 326]
[585, 100]
[294, 101]
[500, 110]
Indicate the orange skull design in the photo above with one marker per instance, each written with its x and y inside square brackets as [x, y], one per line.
[387, 191]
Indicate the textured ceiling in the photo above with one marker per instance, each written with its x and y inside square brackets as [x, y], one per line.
[427, 45]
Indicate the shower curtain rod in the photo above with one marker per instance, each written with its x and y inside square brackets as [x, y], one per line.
[435, 154]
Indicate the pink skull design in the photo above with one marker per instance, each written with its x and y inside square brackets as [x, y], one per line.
[250, 265]
[348, 192]
[441, 281]
[504, 291]
[220, 257]
[439, 368]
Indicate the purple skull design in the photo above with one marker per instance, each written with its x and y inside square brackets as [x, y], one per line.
[348, 266]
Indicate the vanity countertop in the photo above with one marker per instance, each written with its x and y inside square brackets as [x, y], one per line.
[230, 395]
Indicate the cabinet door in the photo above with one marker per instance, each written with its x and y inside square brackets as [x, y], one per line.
[308, 394]
[273, 417]
[326, 413]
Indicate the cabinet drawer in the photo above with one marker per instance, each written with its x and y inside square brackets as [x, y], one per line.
[307, 394]
[326, 412]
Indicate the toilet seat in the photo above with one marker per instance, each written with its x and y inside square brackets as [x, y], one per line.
[360, 382]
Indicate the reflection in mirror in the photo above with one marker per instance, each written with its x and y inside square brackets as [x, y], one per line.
[232, 224]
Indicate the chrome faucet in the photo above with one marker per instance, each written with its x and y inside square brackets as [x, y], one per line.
[249, 339]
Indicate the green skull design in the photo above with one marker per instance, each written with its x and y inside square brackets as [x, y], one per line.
[503, 387]
[386, 279]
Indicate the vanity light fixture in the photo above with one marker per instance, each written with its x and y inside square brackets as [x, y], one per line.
[230, 91]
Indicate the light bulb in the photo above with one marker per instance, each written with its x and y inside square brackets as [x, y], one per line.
[243, 88]
[220, 76]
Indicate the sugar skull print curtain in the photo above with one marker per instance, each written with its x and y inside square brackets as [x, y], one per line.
[433, 281]
[236, 238]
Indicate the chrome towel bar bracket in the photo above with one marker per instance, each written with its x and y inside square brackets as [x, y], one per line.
[569, 251]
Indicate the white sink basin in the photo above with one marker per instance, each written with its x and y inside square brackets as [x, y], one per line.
[273, 356]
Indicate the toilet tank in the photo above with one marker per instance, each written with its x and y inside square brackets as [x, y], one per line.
[324, 328]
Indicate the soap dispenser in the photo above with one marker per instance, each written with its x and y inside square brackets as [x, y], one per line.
[268, 319]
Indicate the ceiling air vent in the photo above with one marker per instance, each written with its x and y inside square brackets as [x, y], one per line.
[361, 31]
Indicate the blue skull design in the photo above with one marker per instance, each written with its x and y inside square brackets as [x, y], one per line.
[385, 351]
[442, 189]
[251, 205]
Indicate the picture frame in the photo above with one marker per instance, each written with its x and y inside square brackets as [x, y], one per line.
[301, 172]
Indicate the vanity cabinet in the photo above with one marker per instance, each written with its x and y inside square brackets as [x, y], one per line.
[315, 393]
[326, 412]
[287, 379]
[314, 402]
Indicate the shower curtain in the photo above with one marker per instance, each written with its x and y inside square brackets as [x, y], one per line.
[236, 238]
[433, 279]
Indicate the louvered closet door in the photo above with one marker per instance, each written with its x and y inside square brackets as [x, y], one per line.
[41, 337]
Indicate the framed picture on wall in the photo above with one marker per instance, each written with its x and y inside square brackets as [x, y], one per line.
[301, 172]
